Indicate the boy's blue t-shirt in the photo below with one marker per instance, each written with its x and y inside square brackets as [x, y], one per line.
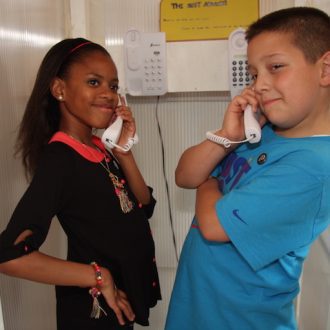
[276, 203]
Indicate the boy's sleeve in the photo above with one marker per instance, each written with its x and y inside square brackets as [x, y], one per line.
[272, 215]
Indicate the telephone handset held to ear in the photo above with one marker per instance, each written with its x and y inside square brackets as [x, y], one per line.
[112, 134]
[239, 78]
[251, 127]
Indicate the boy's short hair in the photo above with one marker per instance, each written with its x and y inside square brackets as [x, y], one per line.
[309, 27]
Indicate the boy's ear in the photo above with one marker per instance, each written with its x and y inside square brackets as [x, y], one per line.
[325, 75]
[57, 88]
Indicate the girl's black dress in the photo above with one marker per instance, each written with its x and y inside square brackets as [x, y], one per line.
[70, 183]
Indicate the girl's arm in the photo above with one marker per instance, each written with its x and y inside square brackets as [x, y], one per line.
[126, 159]
[134, 177]
[43, 268]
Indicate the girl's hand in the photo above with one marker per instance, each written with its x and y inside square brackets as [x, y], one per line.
[115, 298]
[129, 127]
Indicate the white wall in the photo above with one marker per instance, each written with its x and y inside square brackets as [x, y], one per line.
[315, 297]
[27, 30]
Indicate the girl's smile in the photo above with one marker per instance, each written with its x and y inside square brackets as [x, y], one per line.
[90, 94]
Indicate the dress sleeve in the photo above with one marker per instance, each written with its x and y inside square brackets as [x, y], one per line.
[149, 208]
[276, 213]
[43, 199]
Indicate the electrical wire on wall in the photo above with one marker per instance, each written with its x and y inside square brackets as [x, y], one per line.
[166, 181]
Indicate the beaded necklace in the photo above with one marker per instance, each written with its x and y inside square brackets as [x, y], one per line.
[126, 204]
[119, 184]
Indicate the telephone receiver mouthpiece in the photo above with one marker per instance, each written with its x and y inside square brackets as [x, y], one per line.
[251, 125]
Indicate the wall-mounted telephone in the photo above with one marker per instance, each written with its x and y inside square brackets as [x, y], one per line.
[111, 135]
[145, 63]
[239, 78]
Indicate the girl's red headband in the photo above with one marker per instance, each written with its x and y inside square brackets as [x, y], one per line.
[78, 46]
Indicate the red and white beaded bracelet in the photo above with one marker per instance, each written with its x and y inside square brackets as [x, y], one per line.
[95, 292]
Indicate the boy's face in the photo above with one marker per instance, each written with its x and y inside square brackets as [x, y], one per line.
[286, 85]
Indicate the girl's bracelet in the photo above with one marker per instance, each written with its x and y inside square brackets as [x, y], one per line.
[95, 292]
[98, 274]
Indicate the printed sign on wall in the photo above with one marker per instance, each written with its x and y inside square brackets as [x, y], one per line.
[203, 20]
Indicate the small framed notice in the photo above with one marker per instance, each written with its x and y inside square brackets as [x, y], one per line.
[185, 20]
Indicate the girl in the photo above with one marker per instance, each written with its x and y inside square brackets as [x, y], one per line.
[100, 198]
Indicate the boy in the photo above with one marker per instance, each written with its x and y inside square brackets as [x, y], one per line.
[265, 203]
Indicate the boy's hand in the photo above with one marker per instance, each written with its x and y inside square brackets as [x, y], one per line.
[233, 122]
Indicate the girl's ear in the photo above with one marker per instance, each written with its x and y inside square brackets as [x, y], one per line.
[57, 88]
[325, 75]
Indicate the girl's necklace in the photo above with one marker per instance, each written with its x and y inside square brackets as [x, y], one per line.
[126, 204]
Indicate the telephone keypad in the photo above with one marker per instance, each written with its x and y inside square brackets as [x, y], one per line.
[240, 76]
[153, 73]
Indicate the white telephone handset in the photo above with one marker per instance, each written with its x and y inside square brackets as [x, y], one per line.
[111, 135]
[251, 125]
[239, 78]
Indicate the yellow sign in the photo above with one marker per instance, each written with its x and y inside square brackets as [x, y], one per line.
[201, 20]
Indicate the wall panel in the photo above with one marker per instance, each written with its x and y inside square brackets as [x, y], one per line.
[27, 30]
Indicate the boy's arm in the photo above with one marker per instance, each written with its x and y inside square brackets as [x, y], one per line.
[197, 162]
[207, 195]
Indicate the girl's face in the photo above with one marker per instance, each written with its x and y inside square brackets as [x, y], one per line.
[89, 93]
[286, 85]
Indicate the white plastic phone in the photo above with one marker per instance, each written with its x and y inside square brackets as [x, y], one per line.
[251, 125]
[145, 63]
[239, 78]
[111, 135]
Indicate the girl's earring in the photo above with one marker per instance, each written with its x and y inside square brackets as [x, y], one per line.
[60, 98]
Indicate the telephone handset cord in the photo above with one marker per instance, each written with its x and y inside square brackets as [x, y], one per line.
[224, 141]
[127, 146]
[251, 127]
